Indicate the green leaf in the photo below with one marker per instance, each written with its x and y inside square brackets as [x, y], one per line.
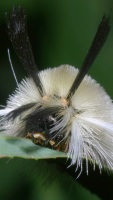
[22, 179]
[25, 148]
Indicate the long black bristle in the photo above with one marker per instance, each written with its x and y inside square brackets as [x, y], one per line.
[17, 31]
[97, 44]
[18, 111]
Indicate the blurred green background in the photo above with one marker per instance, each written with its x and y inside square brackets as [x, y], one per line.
[61, 32]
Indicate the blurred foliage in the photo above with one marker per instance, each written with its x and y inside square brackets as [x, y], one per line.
[60, 33]
[24, 179]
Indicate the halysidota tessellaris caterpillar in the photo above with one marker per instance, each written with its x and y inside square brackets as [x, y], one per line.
[61, 108]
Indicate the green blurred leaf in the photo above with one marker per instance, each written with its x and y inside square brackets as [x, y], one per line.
[25, 148]
[39, 180]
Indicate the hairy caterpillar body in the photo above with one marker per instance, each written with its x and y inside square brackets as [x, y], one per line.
[61, 108]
